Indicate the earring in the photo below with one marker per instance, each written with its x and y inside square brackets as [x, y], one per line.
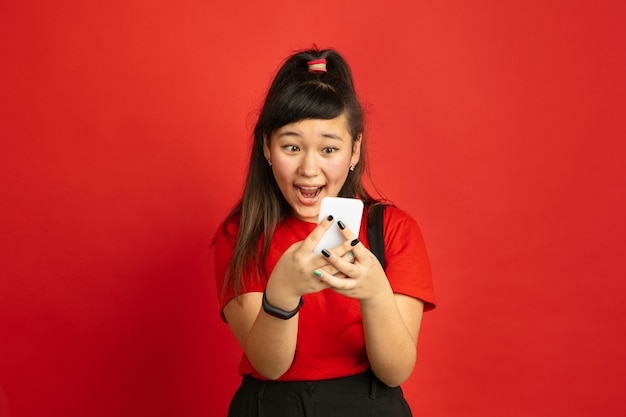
[351, 167]
[269, 162]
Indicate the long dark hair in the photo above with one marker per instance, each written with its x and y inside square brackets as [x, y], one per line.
[294, 95]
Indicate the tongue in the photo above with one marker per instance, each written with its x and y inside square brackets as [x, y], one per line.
[309, 193]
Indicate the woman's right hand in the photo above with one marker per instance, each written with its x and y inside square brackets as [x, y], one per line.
[293, 275]
[269, 342]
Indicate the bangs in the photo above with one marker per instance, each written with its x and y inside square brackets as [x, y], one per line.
[313, 100]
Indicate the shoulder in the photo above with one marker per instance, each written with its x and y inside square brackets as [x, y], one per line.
[400, 229]
[396, 218]
[396, 213]
[227, 231]
[408, 265]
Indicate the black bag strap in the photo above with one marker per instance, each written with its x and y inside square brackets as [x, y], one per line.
[375, 233]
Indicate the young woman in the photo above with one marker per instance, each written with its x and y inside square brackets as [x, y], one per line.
[330, 334]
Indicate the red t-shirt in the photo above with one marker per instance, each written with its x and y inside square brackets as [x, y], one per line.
[330, 341]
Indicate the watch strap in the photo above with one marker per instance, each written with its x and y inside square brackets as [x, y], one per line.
[277, 312]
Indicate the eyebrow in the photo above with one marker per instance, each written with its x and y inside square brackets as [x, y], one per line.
[291, 133]
[332, 136]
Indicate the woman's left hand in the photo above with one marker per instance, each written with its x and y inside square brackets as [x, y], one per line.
[354, 271]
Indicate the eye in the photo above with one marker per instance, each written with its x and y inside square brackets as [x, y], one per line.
[291, 148]
[329, 150]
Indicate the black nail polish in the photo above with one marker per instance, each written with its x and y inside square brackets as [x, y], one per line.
[341, 225]
[354, 242]
[330, 218]
[325, 253]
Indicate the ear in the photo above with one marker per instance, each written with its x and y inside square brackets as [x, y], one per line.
[356, 150]
[266, 148]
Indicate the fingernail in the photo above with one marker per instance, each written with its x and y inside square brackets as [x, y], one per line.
[341, 225]
[330, 218]
[317, 273]
[354, 242]
[325, 253]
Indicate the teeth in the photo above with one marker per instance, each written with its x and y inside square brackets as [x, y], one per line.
[309, 191]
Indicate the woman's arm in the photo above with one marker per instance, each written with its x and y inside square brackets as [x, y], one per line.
[391, 321]
[391, 325]
[270, 342]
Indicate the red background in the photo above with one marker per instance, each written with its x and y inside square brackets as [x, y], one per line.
[125, 128]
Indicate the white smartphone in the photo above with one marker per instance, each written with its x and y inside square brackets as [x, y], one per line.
[348, 210]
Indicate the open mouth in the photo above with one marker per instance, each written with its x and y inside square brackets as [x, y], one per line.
[309, 192]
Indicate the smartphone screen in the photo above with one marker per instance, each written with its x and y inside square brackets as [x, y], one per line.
[348, 210]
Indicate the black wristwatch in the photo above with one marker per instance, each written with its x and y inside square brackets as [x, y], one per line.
[277, 312]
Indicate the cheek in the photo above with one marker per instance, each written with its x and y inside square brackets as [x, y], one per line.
[337, 169]
[282, 169]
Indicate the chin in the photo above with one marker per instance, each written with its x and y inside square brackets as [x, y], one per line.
[309, 215]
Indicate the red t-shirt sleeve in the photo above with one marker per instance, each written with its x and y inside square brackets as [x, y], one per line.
[222, 253]
[408, 267]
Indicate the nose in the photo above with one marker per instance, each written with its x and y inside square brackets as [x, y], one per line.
[309, 166]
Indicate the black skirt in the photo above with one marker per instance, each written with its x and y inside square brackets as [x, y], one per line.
[360, 395]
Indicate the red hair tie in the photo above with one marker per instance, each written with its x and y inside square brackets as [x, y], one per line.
[318, 65]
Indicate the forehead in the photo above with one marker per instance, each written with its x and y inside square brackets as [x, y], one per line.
[331, 128]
